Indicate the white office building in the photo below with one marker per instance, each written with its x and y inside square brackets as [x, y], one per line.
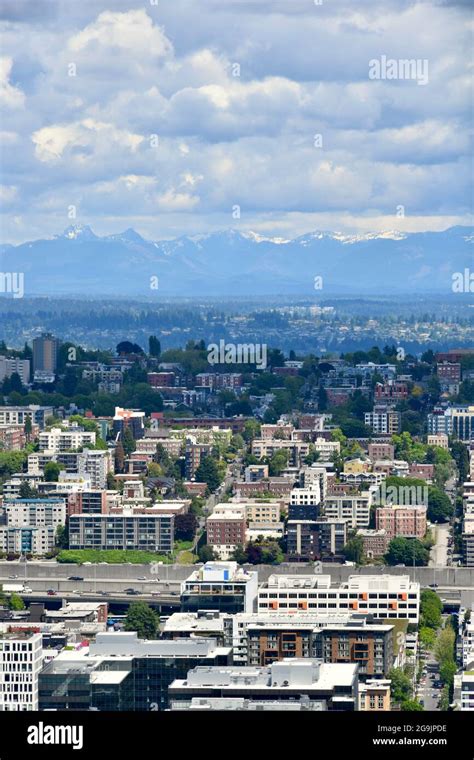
[383, 596]
[21, 659]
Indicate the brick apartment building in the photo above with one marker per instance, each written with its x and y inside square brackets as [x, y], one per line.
[226, 529]
[406, 521]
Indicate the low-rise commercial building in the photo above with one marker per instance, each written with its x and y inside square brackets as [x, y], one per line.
[335, 686]
[222, 586]
[383, 596]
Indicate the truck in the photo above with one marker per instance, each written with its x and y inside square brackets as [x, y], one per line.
[15, 588]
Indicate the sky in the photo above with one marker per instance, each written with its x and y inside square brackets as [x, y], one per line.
[183, 117]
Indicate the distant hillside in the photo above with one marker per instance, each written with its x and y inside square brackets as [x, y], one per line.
[235, 263]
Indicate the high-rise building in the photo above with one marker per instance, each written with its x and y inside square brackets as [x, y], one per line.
[45, 354]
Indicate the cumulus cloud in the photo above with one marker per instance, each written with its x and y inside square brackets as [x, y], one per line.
[10, 96]
[175, 113]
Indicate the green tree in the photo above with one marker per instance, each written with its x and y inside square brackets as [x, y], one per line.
[26, 491]
[401, 686]
[128, 441]
[51, 472]
[411, 705]
[206, 554]
[440, 508]
[444, 647]
[208, 472]
[142, 619]
[427, 637]
[353, 551]
[406, 551]
[431, 608]
[251, 430]
[154, 346]
[62, 537]
[16, 603]
[278, 462]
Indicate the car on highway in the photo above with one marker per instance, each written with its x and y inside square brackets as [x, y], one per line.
[433, 585]
[75, 578]
[51, 592]
[131, 591]
[12, 577]
[141, 578]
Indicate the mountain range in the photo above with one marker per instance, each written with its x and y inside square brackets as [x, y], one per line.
[236, 263]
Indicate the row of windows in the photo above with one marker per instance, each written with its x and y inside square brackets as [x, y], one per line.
[323, 595]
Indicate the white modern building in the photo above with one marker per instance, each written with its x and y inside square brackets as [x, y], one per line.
[57, 440]
[9, 366]
[383, 596]
[222, 586]
[21, 659]
[355, 508]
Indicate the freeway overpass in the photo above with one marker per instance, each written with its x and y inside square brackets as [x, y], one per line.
[49, 571]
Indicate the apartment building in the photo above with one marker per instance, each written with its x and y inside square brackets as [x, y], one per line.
[355, 508]
[440, 439]
[21, 660]
[132, 419]
[464, 690]
[35, 513]
[19, 366]
[259, 511]
[309, 540]
[383, 596]
[455, 420]
[449, 372]
[383, 421]
[392, 390]
[375, 695]
[147, 532]
[226, 528]
[398, 520]
[194, 453]
[255, 472]
[45, 353]
[12, 437]
[17, 415]
[216, 380]
[468, 539]
[375, 542]
[381, 451]
[368, 646]
[27, 540]
[87, 502]
[297, 450]
[57, 440]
